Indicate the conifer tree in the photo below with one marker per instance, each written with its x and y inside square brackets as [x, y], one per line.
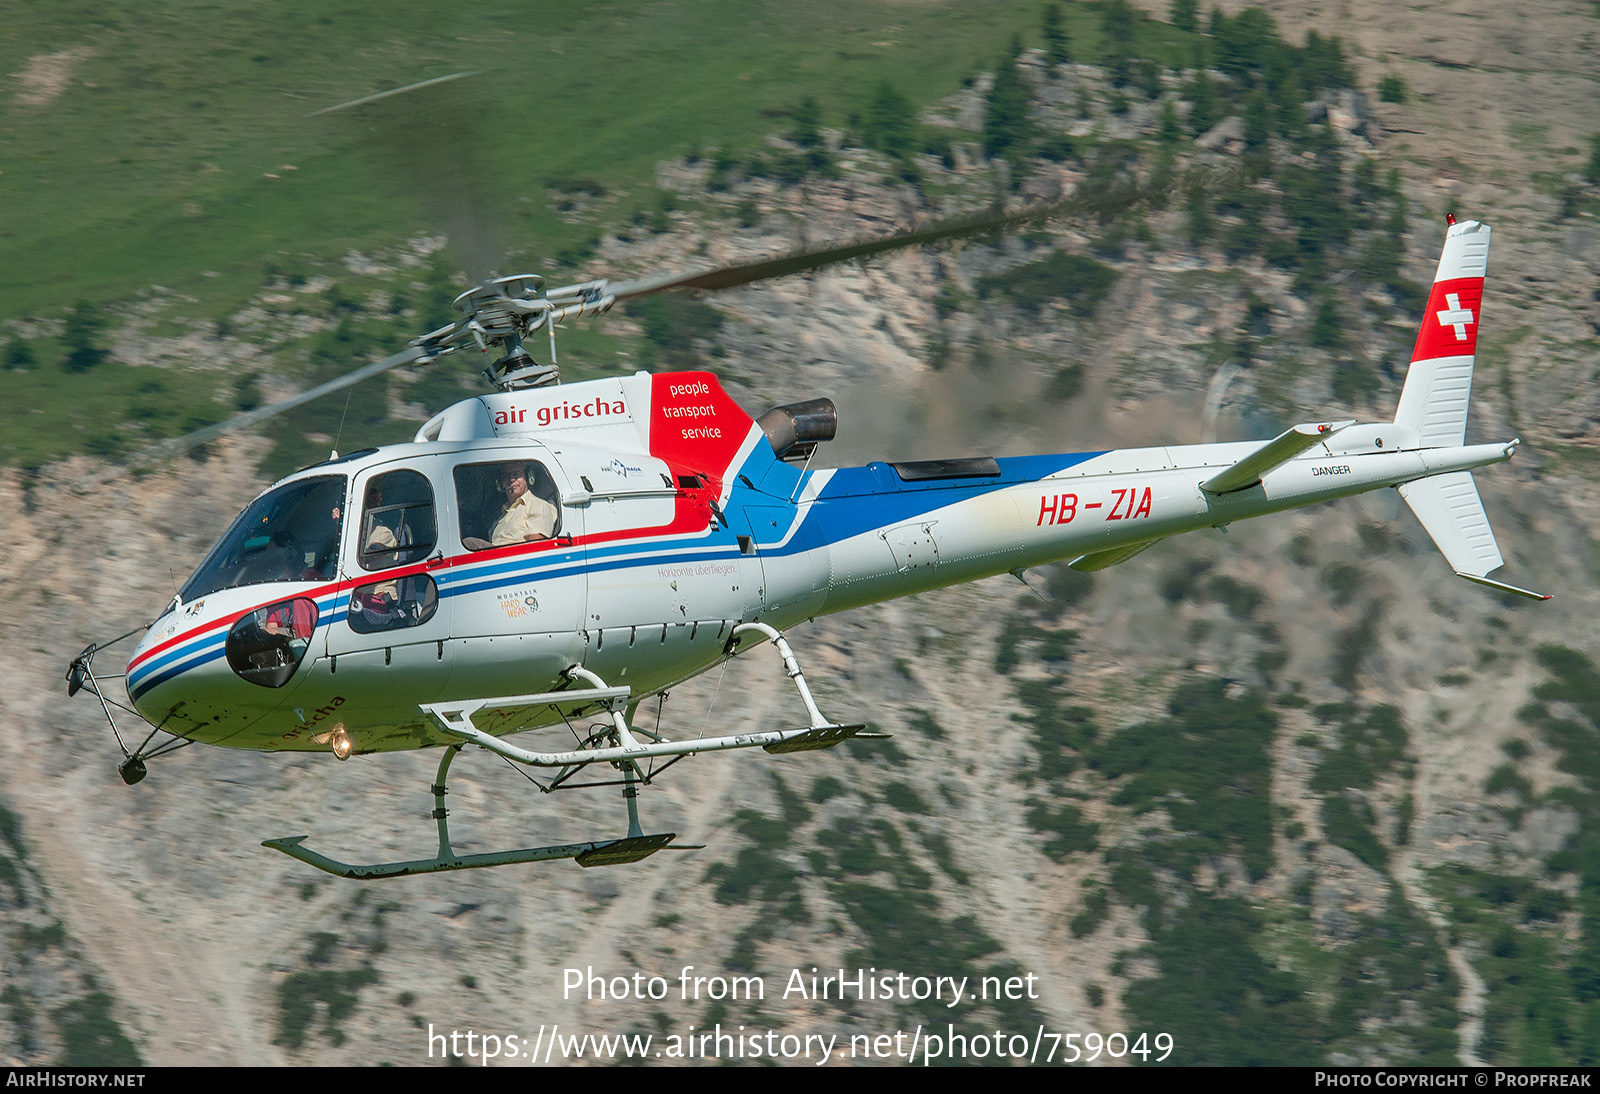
[1007, 126]
[1057, 48]
[19, 355]
[1205, 103]
[81, 337]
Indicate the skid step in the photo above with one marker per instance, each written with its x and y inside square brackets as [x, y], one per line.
[621, 851]
[820, 737]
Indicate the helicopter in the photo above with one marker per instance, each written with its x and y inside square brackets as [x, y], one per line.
[547, 553]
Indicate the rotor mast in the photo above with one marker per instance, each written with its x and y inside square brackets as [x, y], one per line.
[503, 311]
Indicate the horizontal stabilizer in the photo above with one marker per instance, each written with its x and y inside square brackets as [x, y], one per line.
[1452, 514]
[1099, 560]
[1280, 450]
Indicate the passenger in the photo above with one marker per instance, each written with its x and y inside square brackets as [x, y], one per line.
[527, 516]
[294, 620]
[380, 537]
[379, 599]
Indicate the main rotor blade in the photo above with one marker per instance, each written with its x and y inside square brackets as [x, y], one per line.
[727, 277]
[418, 86]
[430, 137]
[177, 445]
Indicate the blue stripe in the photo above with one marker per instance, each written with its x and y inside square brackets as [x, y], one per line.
[862, 499]
[853, 501]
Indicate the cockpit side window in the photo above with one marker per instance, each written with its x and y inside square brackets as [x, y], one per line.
[397, 524]
[511, 501]
[288, 534]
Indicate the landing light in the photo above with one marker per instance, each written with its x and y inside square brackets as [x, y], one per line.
[342, 744]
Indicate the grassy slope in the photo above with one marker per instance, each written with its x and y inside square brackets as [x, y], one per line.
[152, 165]
[183, 150]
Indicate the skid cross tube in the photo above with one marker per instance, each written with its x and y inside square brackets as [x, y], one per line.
[621, 753]
[456, 720]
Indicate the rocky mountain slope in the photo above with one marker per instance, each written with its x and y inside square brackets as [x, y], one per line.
[1289, 794]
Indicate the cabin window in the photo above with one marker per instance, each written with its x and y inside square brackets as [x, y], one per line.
[397, 525]
[266, 646]
[290, 533]
[507, 502]
[395, 604]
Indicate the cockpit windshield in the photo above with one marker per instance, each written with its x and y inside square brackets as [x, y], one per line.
[288, 534]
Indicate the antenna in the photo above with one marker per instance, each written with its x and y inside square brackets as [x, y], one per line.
[342, 417]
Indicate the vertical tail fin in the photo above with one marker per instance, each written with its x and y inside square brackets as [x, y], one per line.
[1434, 403]
[1439, 384]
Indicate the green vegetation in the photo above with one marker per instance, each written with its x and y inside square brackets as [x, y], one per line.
[901, 796]
[1216, 994]
[1538, 949]
[82, 338]
[1241, 600]
[1534, 1016]
[91, 1037]
[1347, 821]
[1069, 833]
[20, 1013]
[1207, 766]
[200, 176]
[1052, 32]
[330, 994]
[759, 873]
[1077, 279]
[1202, 776]
[1395, 964]
[886, 895]
[1007, 126]
[1353, 644]
[1096, 908]
[889, 121]
[169, 161]
[1185, 15]
[1372, 743]
[297, 194]
[1392, 89]
[675, 326]
[13, 856]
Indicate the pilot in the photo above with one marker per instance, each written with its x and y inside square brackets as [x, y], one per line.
[527, 516]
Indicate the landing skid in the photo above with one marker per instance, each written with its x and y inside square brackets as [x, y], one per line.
[615, 747]
[605, 853]
[615, 852]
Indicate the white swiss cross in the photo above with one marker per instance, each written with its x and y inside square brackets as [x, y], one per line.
[1456, 316]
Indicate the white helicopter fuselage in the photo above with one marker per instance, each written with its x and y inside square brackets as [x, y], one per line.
[644, 582]
[357, 591]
